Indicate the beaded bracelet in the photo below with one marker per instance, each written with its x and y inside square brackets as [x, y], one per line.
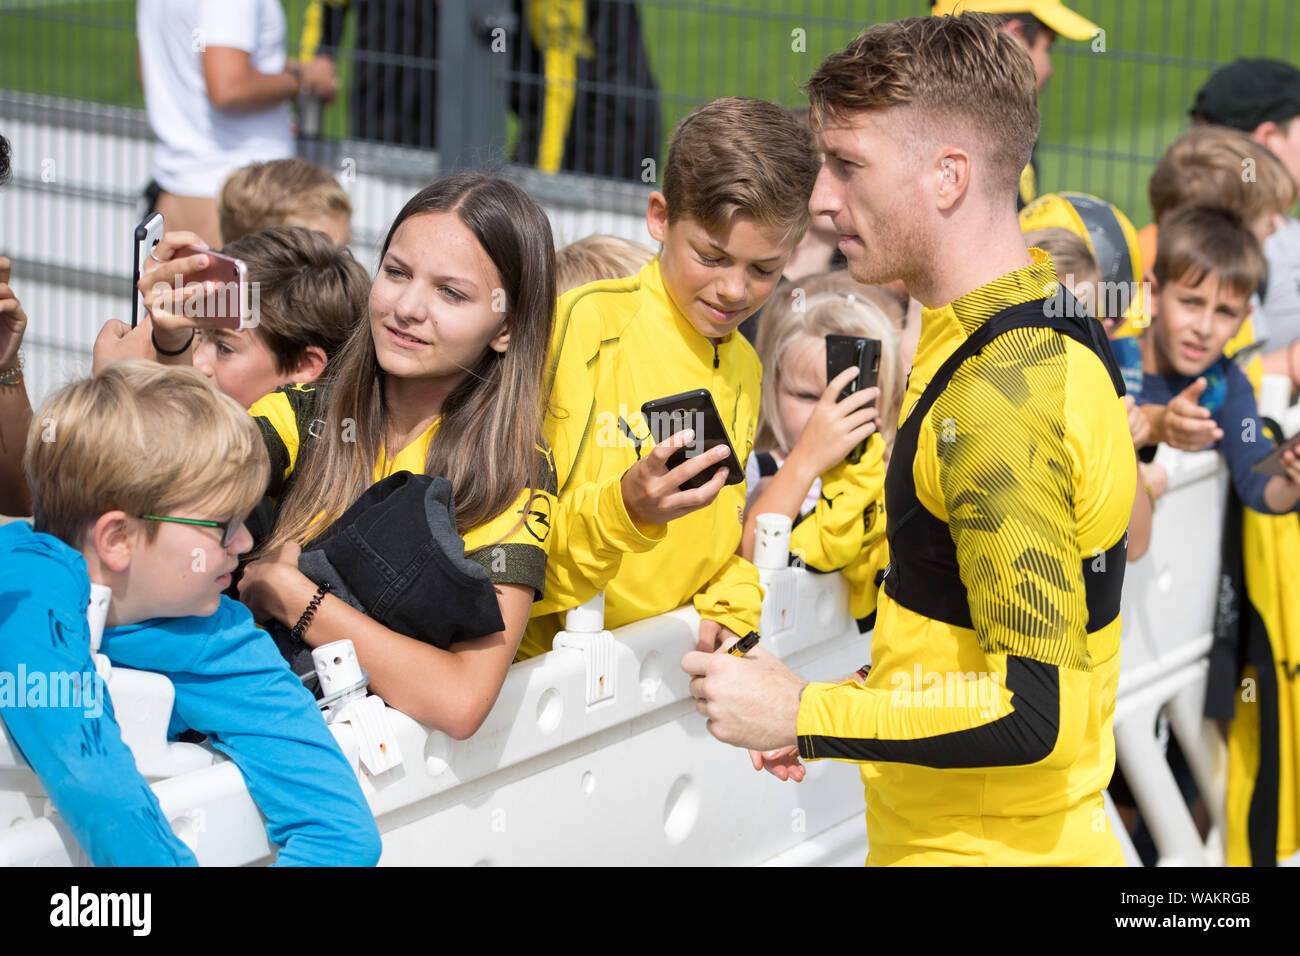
[300, 628]
[180, 351]
[14, 374]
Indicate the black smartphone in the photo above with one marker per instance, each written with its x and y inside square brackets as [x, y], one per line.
[147, 235]
[667, 416]
[853, 351]
[1272, 463]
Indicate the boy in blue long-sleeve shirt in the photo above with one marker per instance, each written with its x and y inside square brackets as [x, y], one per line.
[1207, 265]
[140, 476]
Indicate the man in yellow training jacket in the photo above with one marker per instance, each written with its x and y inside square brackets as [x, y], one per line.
[734, 205]
[984, 727]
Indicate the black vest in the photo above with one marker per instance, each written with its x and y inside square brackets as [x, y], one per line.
[922, 575]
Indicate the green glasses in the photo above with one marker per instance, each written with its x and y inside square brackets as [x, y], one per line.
[228, 528]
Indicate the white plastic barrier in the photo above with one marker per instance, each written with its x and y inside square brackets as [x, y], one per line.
[547, 780]
[1168, 613]
[635, 778]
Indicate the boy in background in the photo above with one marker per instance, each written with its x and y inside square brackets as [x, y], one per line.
[284, 192]
[1207, 266]
[734, 205]
[310, 296]
[1262, 99]
[141, 476]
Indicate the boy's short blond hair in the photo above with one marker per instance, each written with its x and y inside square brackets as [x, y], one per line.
[1196, 240]
[740, 156]
[1220, 166]
[949, 73]
[598, 257]
[145, 439]
[281, 192]
[802, 311]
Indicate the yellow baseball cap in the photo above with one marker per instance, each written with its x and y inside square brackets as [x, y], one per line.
[1056, 15]
[1110, 237]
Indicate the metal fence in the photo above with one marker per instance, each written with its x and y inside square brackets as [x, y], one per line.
[575, 98]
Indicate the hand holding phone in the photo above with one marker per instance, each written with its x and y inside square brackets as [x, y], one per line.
[693, 410]
[185, 286]
[147, 235]
[853, 351]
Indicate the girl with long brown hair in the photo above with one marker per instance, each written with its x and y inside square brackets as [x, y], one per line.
[443, 380]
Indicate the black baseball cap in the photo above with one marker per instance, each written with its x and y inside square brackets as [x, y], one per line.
[1249, 92]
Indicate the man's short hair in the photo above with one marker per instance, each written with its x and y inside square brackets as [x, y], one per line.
[1215, 165]
[276, 194]
[740, 156]
[145, 439]
[956, 72]
[1196, 240]
[310, 292]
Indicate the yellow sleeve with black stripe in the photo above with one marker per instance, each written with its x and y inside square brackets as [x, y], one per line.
[997, 462]
[994, 445]
[848, 516]
[513, 546]
[283, 417]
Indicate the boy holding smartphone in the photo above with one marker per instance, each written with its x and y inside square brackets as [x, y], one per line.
[733, 207]
[140, 477]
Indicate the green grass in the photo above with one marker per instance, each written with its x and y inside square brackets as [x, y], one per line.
[1107, 116]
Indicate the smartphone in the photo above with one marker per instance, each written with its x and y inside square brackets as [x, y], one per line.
[1272, 464]
[667, 416]
[147, 235]
[228, 306]
[853, 351]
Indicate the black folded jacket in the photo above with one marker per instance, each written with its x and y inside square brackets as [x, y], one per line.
[396, 556]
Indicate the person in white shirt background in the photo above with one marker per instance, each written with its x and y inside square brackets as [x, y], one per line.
[217, 87]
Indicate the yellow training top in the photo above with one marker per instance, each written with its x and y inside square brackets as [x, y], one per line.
[1026, 457]
[510, 552]
[618, 344]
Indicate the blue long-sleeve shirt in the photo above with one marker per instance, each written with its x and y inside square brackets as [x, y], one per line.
[75, 749]
[232, 685]
[1231, 401]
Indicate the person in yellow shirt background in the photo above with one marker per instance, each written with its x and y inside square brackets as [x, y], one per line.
[984, 727]
[733, 207]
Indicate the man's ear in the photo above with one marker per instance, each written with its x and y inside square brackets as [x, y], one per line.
[112, 541]
[310, 367]
[656, 216]
[952, 176]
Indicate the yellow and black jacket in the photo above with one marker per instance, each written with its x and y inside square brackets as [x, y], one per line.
[985, 726]
[618, 344]
[845, 530]
[512, 547]
[1254, 682]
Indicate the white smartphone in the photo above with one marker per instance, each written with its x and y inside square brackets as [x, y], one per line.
[147, 235]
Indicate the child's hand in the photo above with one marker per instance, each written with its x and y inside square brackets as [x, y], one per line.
[1155, 476]
[652, 493]
[117, 341]
[835, 428]
[784, 763]
[1138, 426]
[268, 583]
[1291, 465]
[13, 320]
[1185, 424]
[713, 636]
[171, 327]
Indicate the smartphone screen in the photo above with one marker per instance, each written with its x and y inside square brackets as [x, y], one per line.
[667, 416]
[227, 306]
[853, 351]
